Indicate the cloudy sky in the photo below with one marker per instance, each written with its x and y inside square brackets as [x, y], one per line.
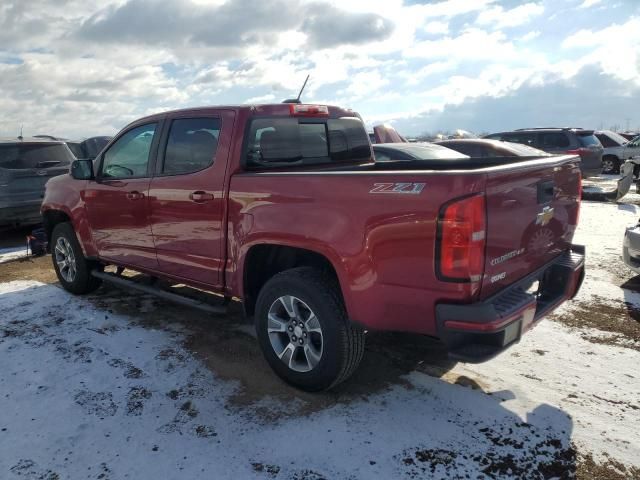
[82, 67]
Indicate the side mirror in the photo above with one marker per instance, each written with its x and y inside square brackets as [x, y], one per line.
[82, 169]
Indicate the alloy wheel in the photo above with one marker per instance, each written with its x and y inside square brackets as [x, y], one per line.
[295, 333]
[65, 259]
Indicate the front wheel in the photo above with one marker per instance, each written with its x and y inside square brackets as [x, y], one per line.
[610, 165]
[72, 268]
[304, 332]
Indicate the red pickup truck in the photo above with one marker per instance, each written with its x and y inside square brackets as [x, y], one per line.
[283, 207]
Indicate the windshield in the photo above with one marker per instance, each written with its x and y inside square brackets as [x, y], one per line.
[34, 155]
[278, 142]
[616, 137]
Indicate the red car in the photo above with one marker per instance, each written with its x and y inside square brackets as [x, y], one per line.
[283, 207]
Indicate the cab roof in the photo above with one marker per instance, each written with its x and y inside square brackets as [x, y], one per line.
[267, 109]
[28, 140]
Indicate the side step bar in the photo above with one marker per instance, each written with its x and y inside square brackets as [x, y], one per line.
[173, 297]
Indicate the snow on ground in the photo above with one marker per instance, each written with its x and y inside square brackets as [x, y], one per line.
[88, 389]
[12, 253]
[87, 392]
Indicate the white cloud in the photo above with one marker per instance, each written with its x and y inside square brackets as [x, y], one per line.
[472, 44]
[437, 28]
[270, 97]
[589, 3]
[615, 48]
[530, 36]
[497, 17]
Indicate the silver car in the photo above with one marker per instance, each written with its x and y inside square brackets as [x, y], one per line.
[617, 149]
[631, 248]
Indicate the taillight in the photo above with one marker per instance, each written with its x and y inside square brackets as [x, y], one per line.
[579, 199]
[577, 151]
[300, 109]
[461, 240]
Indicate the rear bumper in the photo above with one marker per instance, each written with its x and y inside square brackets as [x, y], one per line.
[477, 332]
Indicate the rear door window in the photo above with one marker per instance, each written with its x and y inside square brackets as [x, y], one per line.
[520, 137]
[191, 145]
[554, 140]
[34, 155]
[281, 142]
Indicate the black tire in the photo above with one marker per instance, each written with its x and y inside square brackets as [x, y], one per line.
[82, 281]
[610, 165]
[342, 342]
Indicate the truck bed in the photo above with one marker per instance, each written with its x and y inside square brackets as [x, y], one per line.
[378, 225]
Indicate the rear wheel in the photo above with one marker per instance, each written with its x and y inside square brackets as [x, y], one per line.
[72, 268]
[304, 332]
[610, 165]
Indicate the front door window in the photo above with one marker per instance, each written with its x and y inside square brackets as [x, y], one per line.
[129, 156]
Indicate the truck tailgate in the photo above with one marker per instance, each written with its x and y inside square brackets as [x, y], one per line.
[532, 213]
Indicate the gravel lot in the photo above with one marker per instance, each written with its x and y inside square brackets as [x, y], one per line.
[119, 385]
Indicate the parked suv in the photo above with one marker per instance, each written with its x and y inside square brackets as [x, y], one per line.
[25, 166]
[282, 207]
[89, 147]
[617, 149]
[575, 141]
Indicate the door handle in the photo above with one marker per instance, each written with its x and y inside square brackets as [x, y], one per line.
[200, 196]
[135, 195]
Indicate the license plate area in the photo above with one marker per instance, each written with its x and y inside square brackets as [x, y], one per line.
[512, 333]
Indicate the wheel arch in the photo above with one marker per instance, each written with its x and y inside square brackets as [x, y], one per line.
[264, 260]
[51, 218]
[59, 214]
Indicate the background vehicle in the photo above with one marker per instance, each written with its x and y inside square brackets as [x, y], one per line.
[575, 141]
[616, 150]
[385, 152]
[25, 166]
[629, 135]
[485, 148]
[88, 148]
[631, 248]
[283, 207]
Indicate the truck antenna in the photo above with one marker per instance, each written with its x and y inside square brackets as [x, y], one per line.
[21, 128]
[297, 99]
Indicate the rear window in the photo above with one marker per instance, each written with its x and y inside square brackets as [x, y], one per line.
[554, 140]
[588, 140]
[76, 149]
[17, 156]
[91, 147]
[281, 142]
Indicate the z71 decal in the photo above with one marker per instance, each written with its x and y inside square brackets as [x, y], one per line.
[404, 188]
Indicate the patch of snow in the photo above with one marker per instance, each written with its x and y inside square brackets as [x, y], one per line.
[12, 253]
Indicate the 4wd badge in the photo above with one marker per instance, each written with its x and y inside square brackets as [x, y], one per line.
[403, 188]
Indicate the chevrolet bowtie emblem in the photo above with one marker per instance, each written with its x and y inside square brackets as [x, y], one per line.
[544, 216]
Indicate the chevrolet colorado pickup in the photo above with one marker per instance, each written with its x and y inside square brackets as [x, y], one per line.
[282, 207]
